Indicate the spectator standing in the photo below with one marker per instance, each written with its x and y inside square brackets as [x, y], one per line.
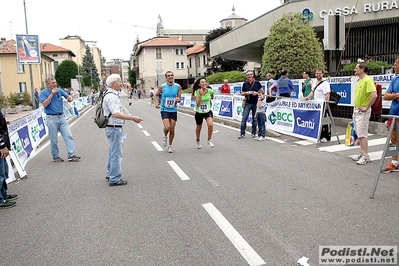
[203, 95]
[37, 98]
[171, 95]
[112, 105]
[321, 91]
[6, 200]
[284, 85]
[365, 95]
[249, 89]
[225, 89]
[261, 115]
[139, 93]
[152, 93]
[272, 94]
[392, 94]
[52, 98]
[307, 85]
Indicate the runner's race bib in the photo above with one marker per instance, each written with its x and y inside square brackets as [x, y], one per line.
[170, 102]
[204, 107]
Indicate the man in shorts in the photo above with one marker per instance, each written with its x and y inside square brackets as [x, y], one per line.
[365, 95]
[171, 95]
[392, 94]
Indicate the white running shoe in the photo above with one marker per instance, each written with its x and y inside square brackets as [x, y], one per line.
[165, 141]
[261, 139]
[323, 140]
[363, 160]
[357, 157]
[170, 149]
[198, 144]
[210, 143]
[256, 137]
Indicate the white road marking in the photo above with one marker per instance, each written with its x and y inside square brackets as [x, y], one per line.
[374, 156]
[238, 241]
[343, 147]
[140, 126]
[178, 171]
[146, 133]
[310, 142]
[157, 146]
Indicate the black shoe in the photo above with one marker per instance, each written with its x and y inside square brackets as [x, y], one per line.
[107, 178]
[119, 183]
[58, 160]
[241, 136]
[73, 158]
[11, 197]
[7, 205]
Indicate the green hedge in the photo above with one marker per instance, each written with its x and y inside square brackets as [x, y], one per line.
[231, 76]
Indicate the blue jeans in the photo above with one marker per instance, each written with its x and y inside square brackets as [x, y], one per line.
[248, 107]
[261, 119]
[59, 123]
[115, 153]
[3, 177]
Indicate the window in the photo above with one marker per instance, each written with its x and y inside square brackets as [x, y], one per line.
[179, 65]
[158, 53]
[204, 57]
[21, 68]
[179, 51]
[190, 63]
[22, 87]
[198, 61]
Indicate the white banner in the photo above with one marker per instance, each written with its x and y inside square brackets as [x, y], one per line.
[295, 117]
[25, 135]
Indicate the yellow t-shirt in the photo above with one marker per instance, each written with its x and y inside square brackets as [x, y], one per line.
[364, 88]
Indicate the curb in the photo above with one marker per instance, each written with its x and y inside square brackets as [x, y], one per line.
[374, 127]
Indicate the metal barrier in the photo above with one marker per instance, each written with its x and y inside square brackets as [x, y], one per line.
[389, 149]
[327, 120]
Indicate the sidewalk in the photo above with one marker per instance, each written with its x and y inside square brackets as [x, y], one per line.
[12, 117]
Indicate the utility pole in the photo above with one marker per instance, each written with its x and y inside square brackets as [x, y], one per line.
[32, 89]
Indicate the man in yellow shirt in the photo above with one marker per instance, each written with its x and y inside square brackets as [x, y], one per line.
[365, 95]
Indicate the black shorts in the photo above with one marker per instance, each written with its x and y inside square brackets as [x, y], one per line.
[169, 115]
[199, 117]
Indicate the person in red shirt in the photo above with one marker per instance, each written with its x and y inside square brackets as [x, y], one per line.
[225, 87]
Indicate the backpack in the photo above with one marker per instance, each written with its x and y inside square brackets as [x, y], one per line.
[377, 105]
[99, 117]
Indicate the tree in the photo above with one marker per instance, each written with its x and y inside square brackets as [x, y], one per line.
[132, 77]
[89, 69]
[293, 45]
[66, 71]
[219, 64]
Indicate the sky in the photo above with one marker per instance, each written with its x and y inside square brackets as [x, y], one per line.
[112, 24]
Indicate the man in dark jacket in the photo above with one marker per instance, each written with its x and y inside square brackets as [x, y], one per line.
[5, 200]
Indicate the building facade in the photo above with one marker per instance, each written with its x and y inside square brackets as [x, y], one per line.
[156, 56]
[15, 77]
[78, 46]
[197, 62]
[371, 27]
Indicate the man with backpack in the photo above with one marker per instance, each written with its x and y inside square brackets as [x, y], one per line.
[321, 91]
[113, 109]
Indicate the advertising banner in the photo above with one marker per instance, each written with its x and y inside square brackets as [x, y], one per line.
[25, 135]
[295, 117]
[222, 105]
[28, 49]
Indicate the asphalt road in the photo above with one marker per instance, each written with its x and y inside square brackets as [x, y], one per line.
[243, 202]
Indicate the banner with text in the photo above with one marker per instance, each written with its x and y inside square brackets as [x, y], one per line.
[295, 117]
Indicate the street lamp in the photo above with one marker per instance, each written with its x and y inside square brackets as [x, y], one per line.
[79, 77]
